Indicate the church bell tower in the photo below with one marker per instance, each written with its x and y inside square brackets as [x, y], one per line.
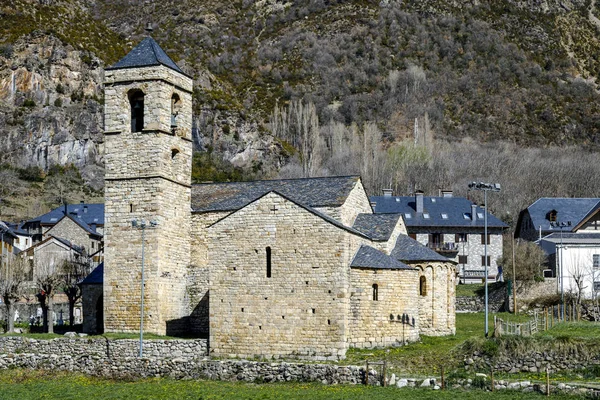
[148, 155]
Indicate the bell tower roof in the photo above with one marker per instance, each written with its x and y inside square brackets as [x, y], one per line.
[147, 53]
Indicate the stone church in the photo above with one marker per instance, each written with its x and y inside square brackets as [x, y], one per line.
[281, 268]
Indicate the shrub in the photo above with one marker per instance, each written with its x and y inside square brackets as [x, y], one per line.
[29, 103]
[60, 89]
[58, 102]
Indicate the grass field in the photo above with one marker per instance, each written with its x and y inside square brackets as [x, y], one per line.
[25, 385]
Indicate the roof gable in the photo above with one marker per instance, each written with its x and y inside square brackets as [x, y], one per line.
[312, 192]
[88, 213]
[575, 210]
[319, 214]
[96, 277]
[147, 53]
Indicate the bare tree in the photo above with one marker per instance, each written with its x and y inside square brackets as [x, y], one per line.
[529, 259]
[12, 278]
[47, 280]
[73, 271]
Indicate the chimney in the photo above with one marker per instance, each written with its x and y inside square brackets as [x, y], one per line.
[473, 212]
[65, 209]
[81, 201]
[387, 192]
[446, 194]
[84, 209]
[419, 201]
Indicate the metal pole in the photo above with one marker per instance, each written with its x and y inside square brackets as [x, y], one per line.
[485, 222]
[562, 277]
[142, 298]
[514, 277]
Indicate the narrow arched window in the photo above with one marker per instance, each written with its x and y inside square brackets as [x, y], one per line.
[175, 106]
[136, 102]
[268, 253]
[375, 292]
[423, 286]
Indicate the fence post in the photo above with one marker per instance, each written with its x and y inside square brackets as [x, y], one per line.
[384, 373]
[492, 376]
[367, 375]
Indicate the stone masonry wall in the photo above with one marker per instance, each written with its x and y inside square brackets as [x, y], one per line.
[148, 176]
[356, 203]
[67, 229]
[379, 322]
[90, 295]
[105, 348]
[437, 304]
[473, 249]
[301, 310]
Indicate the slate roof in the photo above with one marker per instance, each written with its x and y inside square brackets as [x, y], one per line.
[96, 277]
[369, 257]
[408, 249]
[378, 227]
[7, 230]
[147, 53]
[94, 214]
[574, 238]
[568, 209]
[312, 192]
[456, 209]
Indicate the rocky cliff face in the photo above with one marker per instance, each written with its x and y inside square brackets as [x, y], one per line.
[50, 106]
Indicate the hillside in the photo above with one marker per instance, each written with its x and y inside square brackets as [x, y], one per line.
[447, 75]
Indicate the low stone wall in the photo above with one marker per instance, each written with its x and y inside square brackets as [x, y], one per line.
[104, 348]
[533, 362]
[477, 304]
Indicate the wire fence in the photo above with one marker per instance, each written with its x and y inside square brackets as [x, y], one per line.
[541, 320]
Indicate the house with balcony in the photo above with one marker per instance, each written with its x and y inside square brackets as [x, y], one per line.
[568, 230]
[453, 227]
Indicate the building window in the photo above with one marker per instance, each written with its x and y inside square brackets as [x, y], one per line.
[460, 238]
[483, 238]
[423, 286]
[175, 107]
[268, 251]
[483, 260]
[596, 259]
[462, 260]
[136, 101]
[444, 216]
[375, 292]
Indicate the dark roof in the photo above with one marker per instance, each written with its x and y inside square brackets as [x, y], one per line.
[6, 230]
[312, 192]
[369, 257]
[95, 277]
[456, 210]
[408, 249]
[17, 229]
[574, 210]
[574, 238]
[87, 213]
[378, 227]
[147, 53]
[319, 214]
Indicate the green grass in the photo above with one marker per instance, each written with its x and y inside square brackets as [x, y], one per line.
[24, 385]
[469, 290]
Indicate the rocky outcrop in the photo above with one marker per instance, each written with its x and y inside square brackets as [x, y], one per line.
[51, 106]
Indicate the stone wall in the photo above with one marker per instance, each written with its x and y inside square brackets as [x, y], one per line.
[390, 319]
[529, 291]
[301, 310]
[67, 229]
[436, 301]
[118, 349]
[148, 176]
[534, 362]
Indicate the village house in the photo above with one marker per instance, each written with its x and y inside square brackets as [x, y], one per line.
[282, 268]
[568, 230]
[453, 227]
